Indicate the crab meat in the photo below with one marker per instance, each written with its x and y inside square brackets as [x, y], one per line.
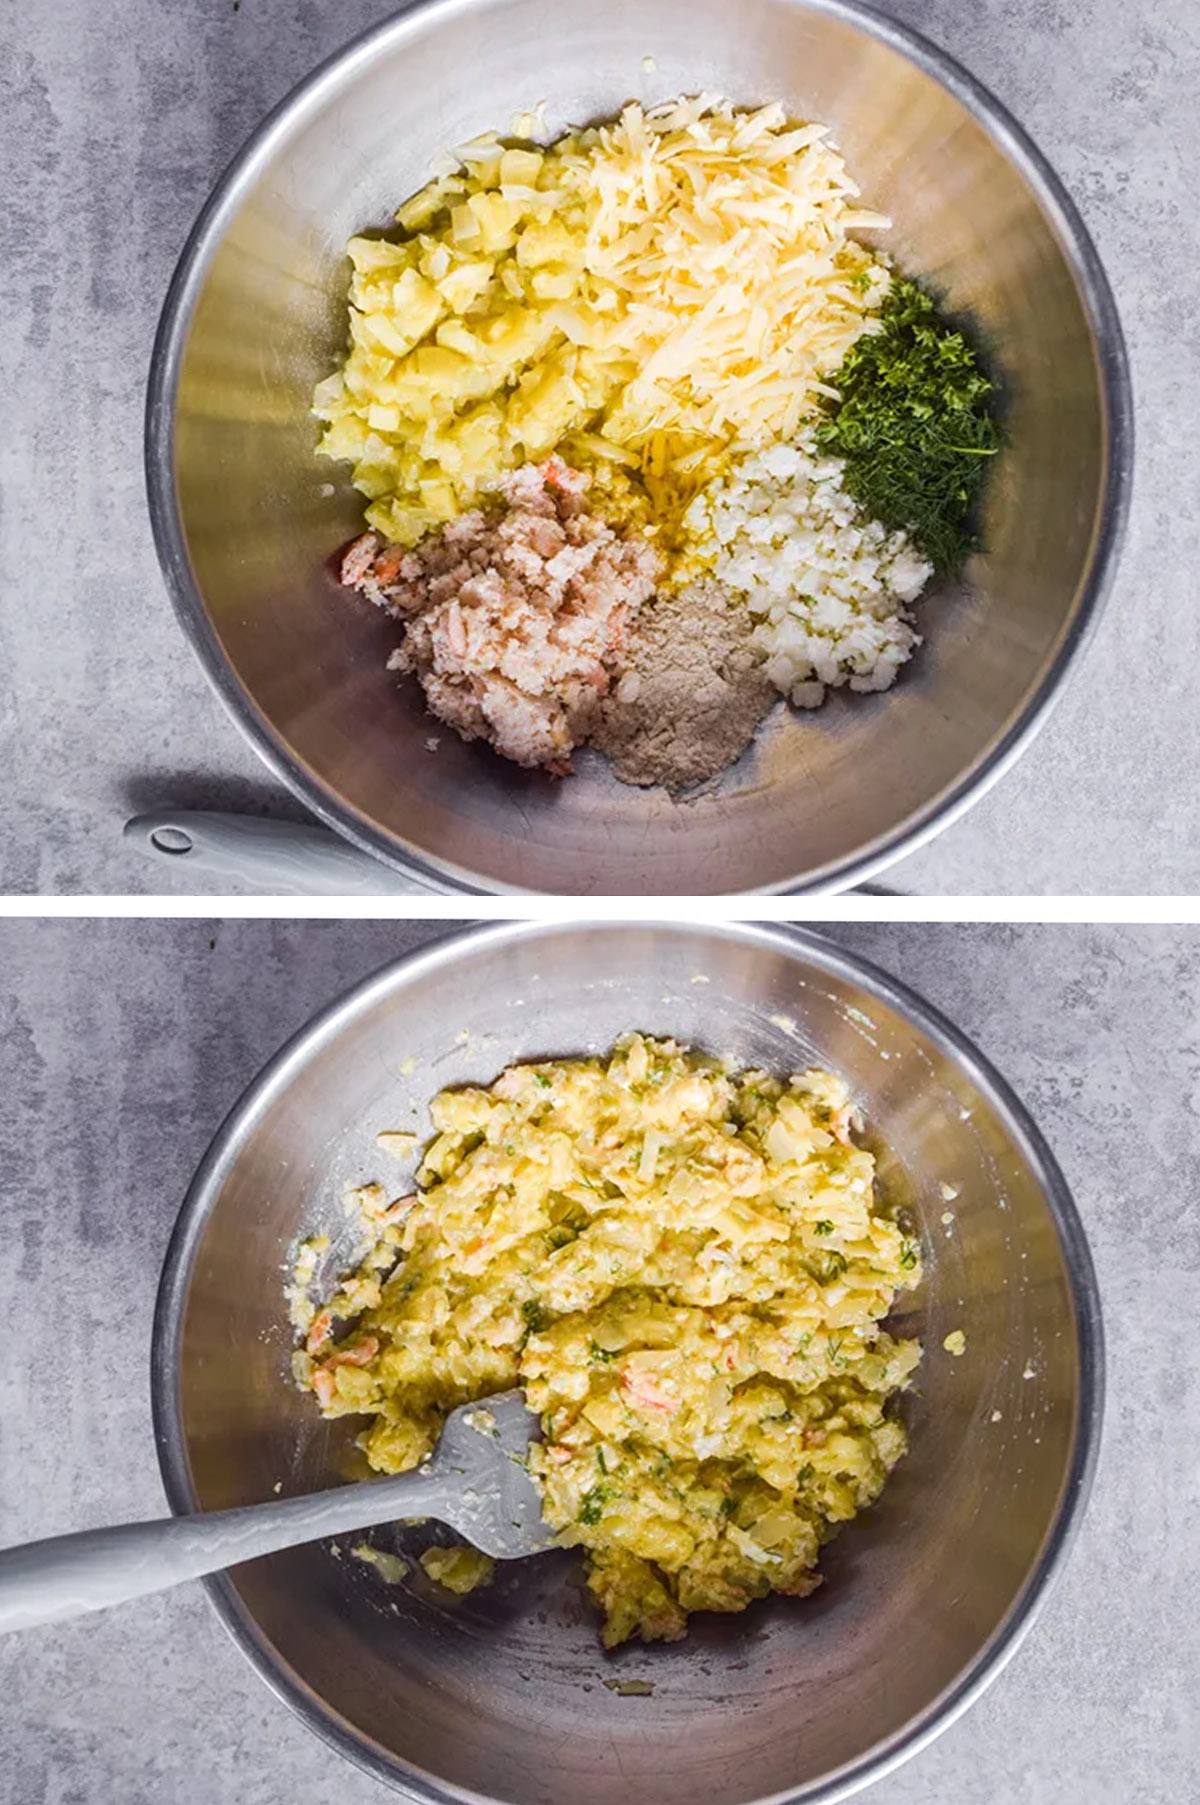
[648, 1390]
[319, 1332]
[513, 621]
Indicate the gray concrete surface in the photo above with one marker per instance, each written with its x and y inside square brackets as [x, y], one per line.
[114, 121]
[121, 1046]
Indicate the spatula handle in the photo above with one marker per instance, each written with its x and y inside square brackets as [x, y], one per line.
[47, 1582]
[282, 858]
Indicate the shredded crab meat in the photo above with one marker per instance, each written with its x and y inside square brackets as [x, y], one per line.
[513, 621]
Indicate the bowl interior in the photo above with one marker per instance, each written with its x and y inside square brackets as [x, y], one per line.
[506, 1694]
[260, 516]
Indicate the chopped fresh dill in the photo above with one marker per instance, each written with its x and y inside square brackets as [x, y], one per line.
[916, 426]
[591, 1505]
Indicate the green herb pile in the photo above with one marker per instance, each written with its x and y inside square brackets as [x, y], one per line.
[916, 426]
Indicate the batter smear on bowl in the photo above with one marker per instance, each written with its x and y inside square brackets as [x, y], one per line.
[653, 358]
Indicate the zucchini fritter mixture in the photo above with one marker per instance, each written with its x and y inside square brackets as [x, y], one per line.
[686, 1269]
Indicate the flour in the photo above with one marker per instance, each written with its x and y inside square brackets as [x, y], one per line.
[690, 693]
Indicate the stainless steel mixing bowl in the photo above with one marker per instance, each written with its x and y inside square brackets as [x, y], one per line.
[500, 1696]
[246, 519]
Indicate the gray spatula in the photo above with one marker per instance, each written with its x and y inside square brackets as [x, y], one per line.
[476, 1480]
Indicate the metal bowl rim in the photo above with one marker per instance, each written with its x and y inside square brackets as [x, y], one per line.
[839, 962]
[442, 874]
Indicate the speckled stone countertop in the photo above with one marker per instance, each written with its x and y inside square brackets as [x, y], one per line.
[114, 123]
[121, 1047]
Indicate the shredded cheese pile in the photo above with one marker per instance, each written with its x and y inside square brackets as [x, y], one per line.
[641, 295]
